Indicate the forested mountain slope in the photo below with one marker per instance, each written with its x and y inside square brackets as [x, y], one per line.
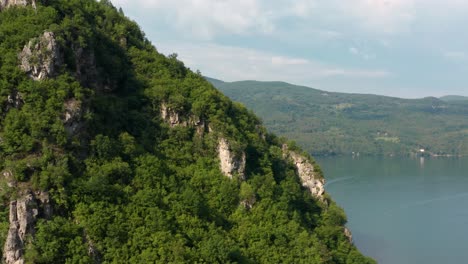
[111, 152]
[327, 123]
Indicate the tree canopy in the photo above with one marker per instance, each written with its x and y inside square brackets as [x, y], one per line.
[125, 185]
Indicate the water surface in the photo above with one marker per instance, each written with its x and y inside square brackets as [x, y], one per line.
[403, 210]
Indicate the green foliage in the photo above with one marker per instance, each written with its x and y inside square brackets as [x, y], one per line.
[126, 186]
[327, 123]
[58, 241]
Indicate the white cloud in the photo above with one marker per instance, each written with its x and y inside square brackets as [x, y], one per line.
[210, 18]
[353, 50]
[350, 34]
[455, 55]
[285, 61]
[361, 53]
[350, 73]
[382, 16]
[234, 63]
[303, 8]
[207, 18]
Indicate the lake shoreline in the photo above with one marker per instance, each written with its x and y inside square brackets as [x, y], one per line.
[403, 210]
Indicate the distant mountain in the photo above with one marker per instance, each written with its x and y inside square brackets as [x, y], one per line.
[454, 98]
[213, 81]
[328, 123]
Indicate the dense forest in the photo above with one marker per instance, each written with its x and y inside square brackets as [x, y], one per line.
[329, 123]
[110, 152]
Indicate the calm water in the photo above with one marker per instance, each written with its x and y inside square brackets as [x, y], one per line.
[403, 211]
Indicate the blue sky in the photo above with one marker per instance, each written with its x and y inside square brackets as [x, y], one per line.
[405, 48]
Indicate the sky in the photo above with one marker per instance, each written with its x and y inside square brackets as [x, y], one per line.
[404, 48]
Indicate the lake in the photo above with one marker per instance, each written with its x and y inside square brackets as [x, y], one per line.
[403, 210]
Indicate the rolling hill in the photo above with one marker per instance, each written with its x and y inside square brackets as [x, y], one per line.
[453, 98]
[330, 123]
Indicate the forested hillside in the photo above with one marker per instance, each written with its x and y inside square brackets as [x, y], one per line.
[327, 123]
[111, 152]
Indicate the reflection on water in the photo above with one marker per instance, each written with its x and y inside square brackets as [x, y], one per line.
[337, 180]
[402, 210]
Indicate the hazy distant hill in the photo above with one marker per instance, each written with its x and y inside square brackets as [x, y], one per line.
[337, 123]
[454, 98]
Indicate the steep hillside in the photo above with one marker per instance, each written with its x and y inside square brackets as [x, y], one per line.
[111, 152]
[327, 123]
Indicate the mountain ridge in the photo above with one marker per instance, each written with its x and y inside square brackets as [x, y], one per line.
[356, 123]
[443, 98]
[451, 98]
[113, 152]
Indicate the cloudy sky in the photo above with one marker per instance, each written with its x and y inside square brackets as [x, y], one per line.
[405, 48]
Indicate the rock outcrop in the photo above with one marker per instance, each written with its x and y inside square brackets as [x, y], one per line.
[306, 172]
[41, 57]
[174, 119]
[9, 3]
[348, 234]
[24, 212]
[248, 203]
[231, 163]
[14, 100]
[171, 116]
[8, 176]
[73, 116]
[92, 250]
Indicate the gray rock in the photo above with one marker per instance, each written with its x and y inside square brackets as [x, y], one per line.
[9, 3]
[174, 119]
[72, 118]
[348, 234]
[171, 116]
[14, 100]
[231, 163]
[41, 57]
[24, 213]
[306, 173]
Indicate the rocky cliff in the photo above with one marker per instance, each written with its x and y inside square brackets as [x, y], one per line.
[309, 178]
[9, 3]
[41, 57]
[24, 212]
[231, 163]
[175, 118]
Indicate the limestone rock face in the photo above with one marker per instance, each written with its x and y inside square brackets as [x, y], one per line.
[306, 173]
[10, 180]
[174, 119]
[348, 234]
[41, 57]
[171, 116]
[73, 116]
[9, 3]
[231, 163]
[24, 212]
[14, 100]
